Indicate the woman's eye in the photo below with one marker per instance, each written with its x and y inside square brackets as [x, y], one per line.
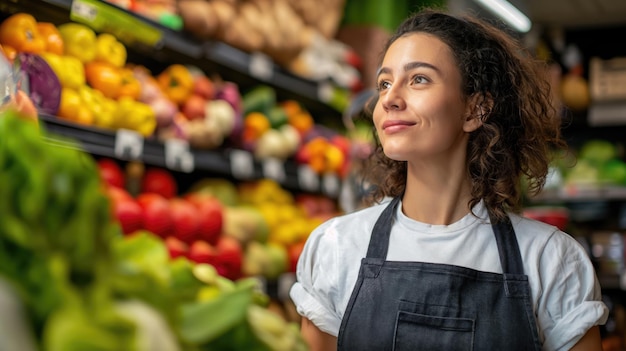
[383, 85]
[419, 80]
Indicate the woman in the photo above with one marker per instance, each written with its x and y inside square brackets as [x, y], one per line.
[462, 114]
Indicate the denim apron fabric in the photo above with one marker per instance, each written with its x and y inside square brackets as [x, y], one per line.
[425, 306]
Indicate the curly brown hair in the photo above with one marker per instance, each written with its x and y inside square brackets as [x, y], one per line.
[519, 132]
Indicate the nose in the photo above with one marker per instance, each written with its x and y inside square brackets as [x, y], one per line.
[392, 99]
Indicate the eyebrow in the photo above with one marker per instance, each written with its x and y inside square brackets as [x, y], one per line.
[409, 66]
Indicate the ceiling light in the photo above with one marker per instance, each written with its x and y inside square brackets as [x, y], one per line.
[508, 13]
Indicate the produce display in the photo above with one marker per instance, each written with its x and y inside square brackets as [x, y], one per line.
[250, 229]
[80, 76]
[76, 281]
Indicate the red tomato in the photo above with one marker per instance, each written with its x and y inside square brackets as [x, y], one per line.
[159, 181]
[111, 172]
[156, 213]
[125, 210]
[184, 220]
[210, 214]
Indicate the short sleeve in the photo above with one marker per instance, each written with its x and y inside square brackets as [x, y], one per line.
[315, 292]
[571, 299]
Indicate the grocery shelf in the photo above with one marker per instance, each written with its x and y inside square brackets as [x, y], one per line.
[233, 163]
[581, 193]
[168, 46]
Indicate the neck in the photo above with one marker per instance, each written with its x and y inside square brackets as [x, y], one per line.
[436, 196]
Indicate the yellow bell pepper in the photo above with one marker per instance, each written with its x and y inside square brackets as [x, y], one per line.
[135, 115]
[79, 41]
[68, 69]
[110, 50]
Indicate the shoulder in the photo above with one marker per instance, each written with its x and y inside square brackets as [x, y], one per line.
[539, 236]
[348, 228]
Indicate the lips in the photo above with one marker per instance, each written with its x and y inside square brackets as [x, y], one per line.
[394, 125]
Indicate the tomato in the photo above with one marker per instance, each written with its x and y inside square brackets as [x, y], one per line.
[52, 37]
[157, 218]
[185, 220]
[104, 77]
[20, 32]
[111, 172]
[160, 181]
[210, 213]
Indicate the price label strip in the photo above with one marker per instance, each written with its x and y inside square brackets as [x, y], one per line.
[261, 66]
[274, 169]
[178, 157]
[241, 164]
[128, 144]
[308, 179]
[103, 17]
[330, 185]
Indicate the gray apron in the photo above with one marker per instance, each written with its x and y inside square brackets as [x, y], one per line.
[425, 306]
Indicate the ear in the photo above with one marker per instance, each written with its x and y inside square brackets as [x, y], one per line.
[478, 110]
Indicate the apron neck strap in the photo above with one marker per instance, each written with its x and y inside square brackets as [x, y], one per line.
[508, 249]
[510, 256]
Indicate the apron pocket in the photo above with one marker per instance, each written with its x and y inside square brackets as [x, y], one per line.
[422, 332]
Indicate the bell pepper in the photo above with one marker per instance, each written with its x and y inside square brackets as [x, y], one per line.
[131, 86]
[50, 33]
[104, 77]
[20, 32]
[101, 107]
[110, 50]
[69, 69]
[135, 115]
[73, 108]
[79, 41]
[176, 81]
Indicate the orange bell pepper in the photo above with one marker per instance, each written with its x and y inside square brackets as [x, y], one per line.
[20, 32]
[131, 86]
[50, 33]
[104, 77]
[176, 81]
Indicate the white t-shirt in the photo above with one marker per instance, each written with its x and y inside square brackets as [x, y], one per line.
[566, 293]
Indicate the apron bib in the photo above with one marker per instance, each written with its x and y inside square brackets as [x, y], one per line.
[425, 306]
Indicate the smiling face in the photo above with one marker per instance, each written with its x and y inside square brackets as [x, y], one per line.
[421, 113]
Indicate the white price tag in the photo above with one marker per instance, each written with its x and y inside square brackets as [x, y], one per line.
[241, 164]
[325, 92]
[178, 157]
[274, 169]
[330, 184]
[308, 179]
[128, 144]
[84, 10]
[261, 66]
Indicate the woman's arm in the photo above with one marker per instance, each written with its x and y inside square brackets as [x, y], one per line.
[317, 339]
[591, 341]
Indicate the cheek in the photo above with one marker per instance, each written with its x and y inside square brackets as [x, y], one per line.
[377, 116]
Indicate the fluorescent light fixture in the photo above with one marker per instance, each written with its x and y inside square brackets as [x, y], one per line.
[508, 13]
